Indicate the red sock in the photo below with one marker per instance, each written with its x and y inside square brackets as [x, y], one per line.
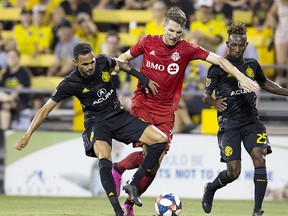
[132, 161]
[145, 183]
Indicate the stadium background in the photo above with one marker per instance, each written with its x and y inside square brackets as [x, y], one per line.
[45, 168]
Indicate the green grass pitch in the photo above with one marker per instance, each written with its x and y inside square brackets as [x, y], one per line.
[100, 206]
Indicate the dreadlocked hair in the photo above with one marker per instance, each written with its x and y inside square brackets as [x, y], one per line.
[177, 15]
[237, 28]
[81, 49]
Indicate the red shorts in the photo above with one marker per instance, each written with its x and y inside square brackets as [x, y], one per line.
[164, 123]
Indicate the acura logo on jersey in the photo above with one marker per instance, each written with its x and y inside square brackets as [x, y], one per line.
[173, 68]
[240, 91]
[101, 92]
[103, 96]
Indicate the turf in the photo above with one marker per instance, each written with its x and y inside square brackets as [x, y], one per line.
[98, 206]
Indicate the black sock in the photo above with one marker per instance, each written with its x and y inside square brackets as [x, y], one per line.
[220, 181]
[140, 173]
[108, 183]
[260, 181]
[153, 155]
[149, 162]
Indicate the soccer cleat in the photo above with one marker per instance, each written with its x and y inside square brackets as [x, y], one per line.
[207, 199]
[133, 192]
[117, 179]
[128, 209]
[258, 212]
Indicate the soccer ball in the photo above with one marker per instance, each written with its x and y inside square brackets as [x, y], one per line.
[168, 204]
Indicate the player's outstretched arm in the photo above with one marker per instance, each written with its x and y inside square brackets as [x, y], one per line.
[125, 57]
[42, 113]
[273, 87]
[146, 82]
[245, 82]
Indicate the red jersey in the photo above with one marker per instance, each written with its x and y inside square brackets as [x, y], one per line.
[165, 65]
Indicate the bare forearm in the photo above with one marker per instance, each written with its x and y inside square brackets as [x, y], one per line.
[124, 66]
[274, 88]
[37, 121]
[229, 68]
[208, 99]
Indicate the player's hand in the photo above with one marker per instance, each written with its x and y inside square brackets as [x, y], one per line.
[22, 143]
[152, 86]
[248, 84]
[220, 104]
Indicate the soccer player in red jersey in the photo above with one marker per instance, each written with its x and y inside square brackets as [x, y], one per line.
[165, 58]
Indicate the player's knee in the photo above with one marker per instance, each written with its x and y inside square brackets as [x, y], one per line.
[258, 157]
[162, 138]
[259, 161]
[233, 173]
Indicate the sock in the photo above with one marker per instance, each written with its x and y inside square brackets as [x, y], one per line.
[145, 183]
[132, 161]
[140, 173]
[220, 181]
[129, 202]
[108, 183]
[260, 182]
[153, 155]
[149, 162]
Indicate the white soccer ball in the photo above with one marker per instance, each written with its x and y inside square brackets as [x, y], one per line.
[168, 204]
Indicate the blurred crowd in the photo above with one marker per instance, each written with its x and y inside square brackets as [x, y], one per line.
[54, 27]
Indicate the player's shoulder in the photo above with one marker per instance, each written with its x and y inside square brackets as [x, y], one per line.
[250, 60]
[101, 57]
[216, 70]
[152, 38]
[188, 45]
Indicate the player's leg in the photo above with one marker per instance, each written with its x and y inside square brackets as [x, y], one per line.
[256, 144]
[224, 177]
[157, 141]
[229, 142]
[103, 151]
[260, 178]
[142, 187]
[132, 161]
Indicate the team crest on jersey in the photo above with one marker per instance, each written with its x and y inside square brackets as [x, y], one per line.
[208, 82]
[228, 151]
[106, 76]
[175, 56]
[250, 72]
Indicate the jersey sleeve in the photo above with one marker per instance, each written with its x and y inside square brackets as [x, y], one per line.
[260, 76]
[63, 91]
[212, 78]
[138, 49]
[110, 61]
[198, 52]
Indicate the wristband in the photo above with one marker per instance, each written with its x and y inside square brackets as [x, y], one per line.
[143, 79]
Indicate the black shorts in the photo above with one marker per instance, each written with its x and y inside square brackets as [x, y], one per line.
[122, 127]
[252, 135]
